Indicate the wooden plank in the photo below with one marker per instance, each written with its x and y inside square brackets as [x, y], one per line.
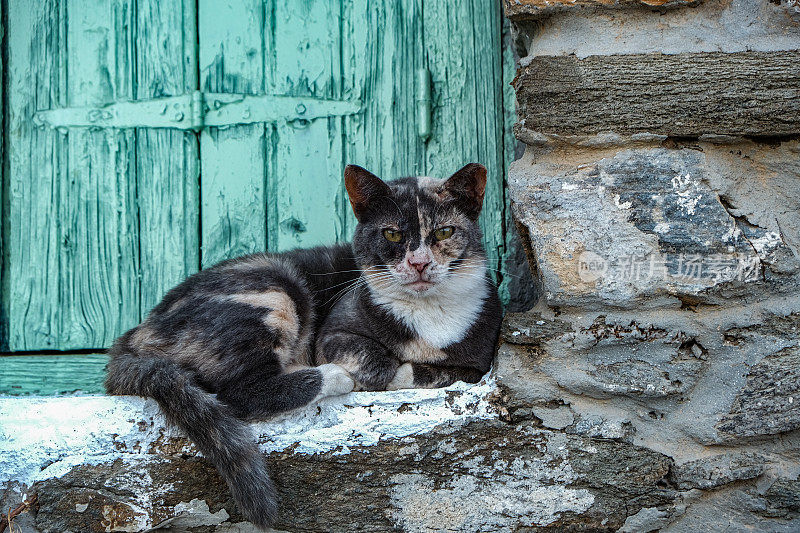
[463, 45]
[691, 94]
[305, 183]
[72, 229]
[99, 275]
[382, 49]
[518, 10]
[167, 166]
[233, 160]
[30, 295]
[3, 195]
[49, 375]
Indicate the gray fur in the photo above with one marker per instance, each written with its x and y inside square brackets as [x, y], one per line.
[214, 354]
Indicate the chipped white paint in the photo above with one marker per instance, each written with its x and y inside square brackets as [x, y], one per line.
[662, 228]
[732, 233]
[491, 496]
[766, 244]
[366, 418]
[621, 205]
[193, 514]
[684, 187]
[42, 438]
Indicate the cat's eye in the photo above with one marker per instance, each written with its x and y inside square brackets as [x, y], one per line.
[392, 235]
[443, 233]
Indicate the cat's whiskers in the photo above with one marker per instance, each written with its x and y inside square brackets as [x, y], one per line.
[362, 282]
[351, 285]
[353, 270]
[354, 284]
[472, 262]
[345, 282]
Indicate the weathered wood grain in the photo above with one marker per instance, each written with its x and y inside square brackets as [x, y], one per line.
[73, 280]
[233, 159]
[167, 166]
[30, 282]
[517, 10]
[305, 184]
[99, 274]
[49, 375]
[382, 49]
[463, 52]
[742, 93]
[3, 271]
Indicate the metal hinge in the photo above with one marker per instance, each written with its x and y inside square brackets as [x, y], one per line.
[195, 111]
[424, 104]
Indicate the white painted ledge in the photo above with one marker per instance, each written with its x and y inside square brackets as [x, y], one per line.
[42, 438]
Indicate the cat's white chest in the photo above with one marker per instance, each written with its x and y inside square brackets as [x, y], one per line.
[438, 326]
[442, 320]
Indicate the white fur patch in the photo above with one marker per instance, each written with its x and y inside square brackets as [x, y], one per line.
[444, 316]
[335, 381]
[403, 378]
[419, 351]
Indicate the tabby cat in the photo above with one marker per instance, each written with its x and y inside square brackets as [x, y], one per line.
[407, 304]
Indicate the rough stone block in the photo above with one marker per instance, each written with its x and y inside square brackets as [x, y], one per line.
[704, 375]
[555, 28]
[646, 225]
[715, 471]
[770, 401]
[743, 93]
[518, 10]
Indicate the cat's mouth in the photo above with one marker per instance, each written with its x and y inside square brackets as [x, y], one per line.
[420, 285]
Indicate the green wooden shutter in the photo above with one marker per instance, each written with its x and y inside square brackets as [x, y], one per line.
[306, 187]
[233, 160]
[71, 243]
[100, 221]
[168, 164]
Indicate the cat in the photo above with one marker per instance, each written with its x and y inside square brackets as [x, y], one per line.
[424, 313]
[407, 304]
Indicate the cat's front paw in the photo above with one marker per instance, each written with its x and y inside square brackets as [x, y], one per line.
[335, 380]
[403, 379]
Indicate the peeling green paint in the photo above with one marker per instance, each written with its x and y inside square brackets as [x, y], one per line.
[49, 375]
[99, 222]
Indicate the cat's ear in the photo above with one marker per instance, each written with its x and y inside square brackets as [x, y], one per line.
[467, 187]
[363, 188]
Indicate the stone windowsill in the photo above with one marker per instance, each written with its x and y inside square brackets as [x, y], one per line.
[118, 443]
[41, 438]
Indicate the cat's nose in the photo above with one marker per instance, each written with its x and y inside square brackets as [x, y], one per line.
[420, 266]
[418, 263]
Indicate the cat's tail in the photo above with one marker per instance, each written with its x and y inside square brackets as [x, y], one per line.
[222, 438]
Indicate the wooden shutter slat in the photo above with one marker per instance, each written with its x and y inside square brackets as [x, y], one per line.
[167, 160]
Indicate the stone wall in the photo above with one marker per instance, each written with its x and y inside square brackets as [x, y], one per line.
[659, 202]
